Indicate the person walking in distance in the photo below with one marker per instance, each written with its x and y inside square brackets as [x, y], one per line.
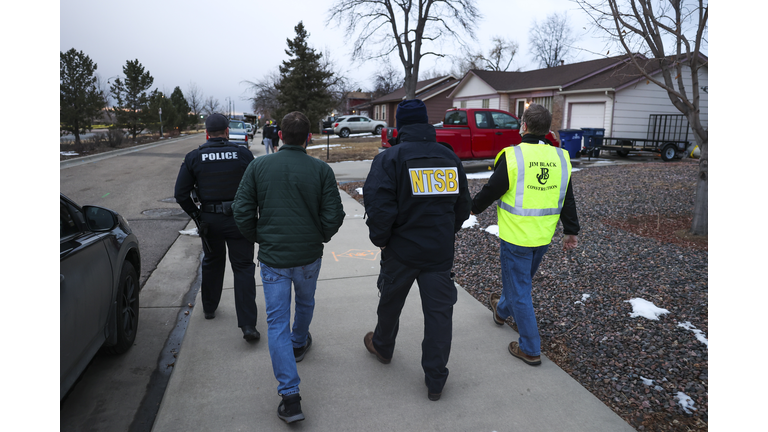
[214, 171]
[289, 204]
[416, 198]
[533, 181]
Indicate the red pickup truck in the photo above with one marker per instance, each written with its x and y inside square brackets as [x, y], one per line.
[474, 133]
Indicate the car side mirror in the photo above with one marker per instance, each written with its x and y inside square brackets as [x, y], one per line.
[99, 218]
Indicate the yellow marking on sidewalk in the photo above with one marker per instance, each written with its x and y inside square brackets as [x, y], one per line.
[369, 255]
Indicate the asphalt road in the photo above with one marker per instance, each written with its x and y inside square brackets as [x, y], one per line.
[121, 393]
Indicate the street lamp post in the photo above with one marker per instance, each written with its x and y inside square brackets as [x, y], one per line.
[161, 122]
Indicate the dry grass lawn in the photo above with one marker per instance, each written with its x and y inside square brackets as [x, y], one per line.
[344, 149]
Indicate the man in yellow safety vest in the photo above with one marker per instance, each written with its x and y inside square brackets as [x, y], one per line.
[533, 181]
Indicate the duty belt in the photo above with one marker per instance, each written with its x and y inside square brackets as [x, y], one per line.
[212, 208]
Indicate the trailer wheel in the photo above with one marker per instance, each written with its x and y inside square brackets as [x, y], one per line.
[668, 152]
[623, 152]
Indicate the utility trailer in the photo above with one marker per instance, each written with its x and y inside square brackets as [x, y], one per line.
[667, 135]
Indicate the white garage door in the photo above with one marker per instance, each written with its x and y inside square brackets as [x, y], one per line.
[587, 115]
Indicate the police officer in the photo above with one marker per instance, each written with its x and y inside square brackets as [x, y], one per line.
[214, 171]
[533, 182]
[416, 198]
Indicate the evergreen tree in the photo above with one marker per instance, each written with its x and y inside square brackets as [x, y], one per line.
[304, 81]
[131, 97]
[183, 111]
[80, 99]
[151, 113]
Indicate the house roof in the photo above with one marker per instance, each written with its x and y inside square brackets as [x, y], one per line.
[358, 95]
[424, 89]
[607, 73]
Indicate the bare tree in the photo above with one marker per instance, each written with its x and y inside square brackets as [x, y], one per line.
[264, 99]
[195, 100]
[409, 27]
[211, 106]
[551, 41]
[386, 80]
[499, 58]
[644, 27]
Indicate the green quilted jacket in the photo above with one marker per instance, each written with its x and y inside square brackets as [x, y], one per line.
[289, 203]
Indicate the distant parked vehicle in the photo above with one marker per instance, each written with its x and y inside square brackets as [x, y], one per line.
[344, 126]
[249, 130]
[238, 134]
[99, 266]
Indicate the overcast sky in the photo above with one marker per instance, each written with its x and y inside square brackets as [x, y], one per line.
[218, 45]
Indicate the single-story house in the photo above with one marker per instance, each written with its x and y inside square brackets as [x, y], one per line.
[355, 99]
[607, 93]
[433, 92]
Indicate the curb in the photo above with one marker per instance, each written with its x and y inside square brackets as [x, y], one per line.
[106, 155]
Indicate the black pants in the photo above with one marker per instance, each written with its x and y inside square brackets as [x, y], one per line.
[223, 230]
[438, 295]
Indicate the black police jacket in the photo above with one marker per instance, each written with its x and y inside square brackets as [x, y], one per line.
[214, 169]
[416, 199]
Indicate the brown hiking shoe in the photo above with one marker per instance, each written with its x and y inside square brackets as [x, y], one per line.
[494, 303]
[514, 349]
[368, 341]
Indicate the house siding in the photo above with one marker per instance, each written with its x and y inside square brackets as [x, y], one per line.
[636, 103]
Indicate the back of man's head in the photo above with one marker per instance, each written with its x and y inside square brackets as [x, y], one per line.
[537, 119]
[216, 125]
[295, 128]
[412, 111]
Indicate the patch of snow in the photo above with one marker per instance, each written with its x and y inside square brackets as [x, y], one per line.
[699, 334]
[647, 381]
[189, 232]
[322, 146]
[575, 169]
[685, 402]
[493, 229]
[470, 222]
[480, 175]
[644, 308]
[584, 297]
[359, 191]
[68, 153]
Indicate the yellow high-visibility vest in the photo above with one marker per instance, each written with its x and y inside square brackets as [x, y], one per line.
[538, 178]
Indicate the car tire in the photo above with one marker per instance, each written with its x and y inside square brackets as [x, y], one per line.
[378, 130]
[344, 133]
[126, 310]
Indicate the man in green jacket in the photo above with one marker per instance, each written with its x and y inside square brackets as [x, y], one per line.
[289, 203]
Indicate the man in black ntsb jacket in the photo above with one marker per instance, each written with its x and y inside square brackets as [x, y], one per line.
[416, 198]
[214, 170]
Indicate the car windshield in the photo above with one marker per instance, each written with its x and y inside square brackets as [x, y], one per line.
[236, 125]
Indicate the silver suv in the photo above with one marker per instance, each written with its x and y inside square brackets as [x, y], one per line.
[352, 124]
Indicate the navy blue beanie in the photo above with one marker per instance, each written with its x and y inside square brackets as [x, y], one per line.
[411, 112]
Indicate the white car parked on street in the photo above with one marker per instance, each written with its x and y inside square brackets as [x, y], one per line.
[352, 124]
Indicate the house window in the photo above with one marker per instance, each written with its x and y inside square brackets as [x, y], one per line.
[486, 103]
[546, 102]
[383, 112]
[520, 108]
[463, 104]
[376, 112]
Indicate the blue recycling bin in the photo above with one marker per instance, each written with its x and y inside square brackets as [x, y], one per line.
[593, 137]
[571, 141]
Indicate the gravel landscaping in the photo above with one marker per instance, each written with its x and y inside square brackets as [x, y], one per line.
[625, 313]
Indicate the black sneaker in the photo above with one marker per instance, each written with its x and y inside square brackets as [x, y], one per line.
[299, 352]
[289, 409]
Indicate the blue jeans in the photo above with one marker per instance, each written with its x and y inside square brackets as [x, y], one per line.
[518, 265]
[282, 341]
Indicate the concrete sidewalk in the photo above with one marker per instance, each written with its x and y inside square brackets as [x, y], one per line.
[222, 383]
